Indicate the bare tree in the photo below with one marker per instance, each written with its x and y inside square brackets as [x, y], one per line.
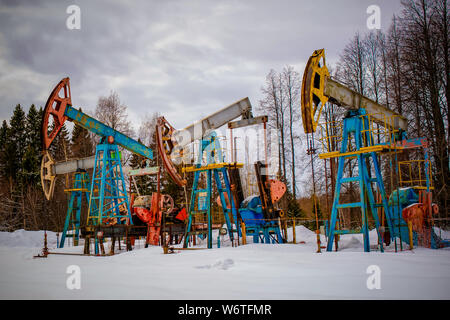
[270, 105]
[113, 113]
[351, 69]
[291, 84]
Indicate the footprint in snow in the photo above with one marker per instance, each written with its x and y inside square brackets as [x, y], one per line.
[219, 264]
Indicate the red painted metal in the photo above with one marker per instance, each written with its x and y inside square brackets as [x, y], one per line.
[182, 215]
[421, 214]
[55, 108]
[152, 214]
[166, 204]
[277, 190]
[165, 145]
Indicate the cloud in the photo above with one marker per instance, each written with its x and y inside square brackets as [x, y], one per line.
[183, 59]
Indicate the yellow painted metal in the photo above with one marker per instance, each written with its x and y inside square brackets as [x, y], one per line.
[313, 87]
[76, 189]
[377, 148]
[379, 129]
[411, 244]
[294, 240]
[330, 135]
[318, 88]
[212, 166]
[412, 174]
[244, 233]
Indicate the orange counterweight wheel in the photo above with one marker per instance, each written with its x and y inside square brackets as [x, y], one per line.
[55, 107]
[166, 146]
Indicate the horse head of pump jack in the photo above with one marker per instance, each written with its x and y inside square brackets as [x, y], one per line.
[57, 110]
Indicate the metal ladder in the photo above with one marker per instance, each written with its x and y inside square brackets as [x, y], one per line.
[202, 196]
[354, 125]
[108, 189]
[73, 216]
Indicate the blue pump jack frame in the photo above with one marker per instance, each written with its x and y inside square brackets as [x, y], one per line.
[108, 189]
[353, 125]
[211, 147]
[103, 130]
[81, 185]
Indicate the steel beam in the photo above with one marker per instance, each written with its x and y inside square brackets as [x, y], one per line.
[349, 99]
[201, 128]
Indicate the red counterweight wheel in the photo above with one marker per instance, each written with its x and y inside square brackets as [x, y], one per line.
[55, 108]
[165, 145]
[166, 204]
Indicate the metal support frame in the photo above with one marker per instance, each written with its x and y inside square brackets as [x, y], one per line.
[267, 228]
[81, 185]
[108, 190]
[217, 169]
[354, 124]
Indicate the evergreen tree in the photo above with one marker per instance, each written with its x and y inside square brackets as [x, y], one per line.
[33, 126]
[3, 140]
[294, 209]
[32, 157]
[16, 145]
[60, 148]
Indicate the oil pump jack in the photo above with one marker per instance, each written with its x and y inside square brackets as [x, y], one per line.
[359, 139]
[109, 211]
[172, 148]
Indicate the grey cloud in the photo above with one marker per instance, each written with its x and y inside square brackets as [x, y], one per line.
[180, 58]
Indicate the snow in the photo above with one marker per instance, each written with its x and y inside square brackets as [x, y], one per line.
[22, 238]
[251, 272]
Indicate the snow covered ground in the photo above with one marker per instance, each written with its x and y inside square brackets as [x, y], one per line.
[250, 272]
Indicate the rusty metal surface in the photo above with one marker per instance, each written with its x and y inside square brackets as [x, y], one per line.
[140, 171]
[318, 88]
[312, 97]
[54, 109]
[165, 146]
[50, 169]
[247, 122]
[200, 129]
[73, 165]
[48, 175]
[350, 99]
[171, 142]
[277, 190]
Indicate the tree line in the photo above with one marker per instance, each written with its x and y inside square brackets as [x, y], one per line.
[22, 202]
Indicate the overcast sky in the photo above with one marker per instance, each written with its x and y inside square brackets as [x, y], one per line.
[184, 59]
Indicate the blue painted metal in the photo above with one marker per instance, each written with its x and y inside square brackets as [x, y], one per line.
[81, 185]
[255, 225]
[108, 189]
[210, 147]
[354, 125]
[399, 200]
[103, 130]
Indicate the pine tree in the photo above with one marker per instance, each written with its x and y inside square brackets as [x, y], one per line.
[60, 148]
[3, 140]
[32, 157]
[16, 145]
[294, 209]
